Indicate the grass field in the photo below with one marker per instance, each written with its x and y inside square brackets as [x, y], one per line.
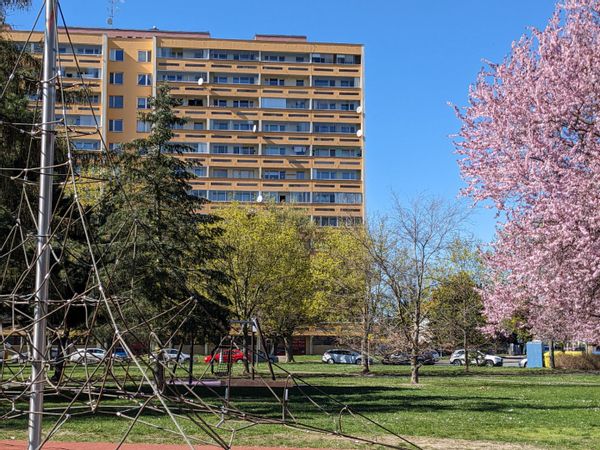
[526, 406]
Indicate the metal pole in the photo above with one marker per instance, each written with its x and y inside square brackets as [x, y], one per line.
[36, 403]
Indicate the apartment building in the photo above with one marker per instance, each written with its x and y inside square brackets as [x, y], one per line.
[273, 118]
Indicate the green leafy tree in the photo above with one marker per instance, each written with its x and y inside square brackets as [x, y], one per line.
[348, 285]
[268, 265]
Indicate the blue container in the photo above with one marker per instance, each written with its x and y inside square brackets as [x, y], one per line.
[535, 354]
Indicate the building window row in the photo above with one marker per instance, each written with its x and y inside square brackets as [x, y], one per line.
[278, 197]
[273, 150]
[237, 55]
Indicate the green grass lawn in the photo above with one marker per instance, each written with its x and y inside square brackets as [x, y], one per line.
[536, 407]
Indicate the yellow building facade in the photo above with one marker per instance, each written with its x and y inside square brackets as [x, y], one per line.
[275, 118]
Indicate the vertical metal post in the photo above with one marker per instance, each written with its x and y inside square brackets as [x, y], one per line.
[36, 403]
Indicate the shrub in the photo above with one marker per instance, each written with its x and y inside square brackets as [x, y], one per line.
[583, 361]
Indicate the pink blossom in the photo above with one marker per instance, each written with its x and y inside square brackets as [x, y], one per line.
[530, 144]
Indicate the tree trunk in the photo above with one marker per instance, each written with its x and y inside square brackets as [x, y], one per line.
[61, 356]
[289, 350]
[159, 373]
[466, 347]
[191, 374]
[551, 350]
[414, 369]
[245, 349]
[364, 348]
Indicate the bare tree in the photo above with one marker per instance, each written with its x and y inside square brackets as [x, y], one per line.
[406, 249]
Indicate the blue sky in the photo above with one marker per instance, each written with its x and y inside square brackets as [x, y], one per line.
[419, 55]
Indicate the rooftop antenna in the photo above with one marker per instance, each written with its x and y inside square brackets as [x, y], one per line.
[112, 10]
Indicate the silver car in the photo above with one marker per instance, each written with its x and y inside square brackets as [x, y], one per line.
[88, 356]
[341, 356]
[171, 355]
[476, 357]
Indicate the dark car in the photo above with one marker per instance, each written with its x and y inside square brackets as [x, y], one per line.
[396, 359]
[260, 356]
[400, 358]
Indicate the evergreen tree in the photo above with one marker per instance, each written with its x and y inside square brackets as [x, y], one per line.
[156, 245]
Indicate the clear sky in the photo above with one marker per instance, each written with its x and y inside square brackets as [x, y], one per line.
[419, 55]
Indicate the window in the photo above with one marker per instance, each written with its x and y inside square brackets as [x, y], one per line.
[219, 79]
[273, 102]
[86, 145]
[244, 150]
[243, 126]
[243, 103]
[219, 173]
[220, 125]
[117, 54]
[220, 103]
[299, 58]
[115, 101]
[144, 56]
[322, 82]
[273, 175]
[197, 193]
[219, 148]
[243, 80]
[299, 175]
[198, 171]
[195, 102]
[142, 126]
[296, 104]
[143, 103]
[144, 79]
[244, 56]
[115, 125]
[274, 82]
[114, 146]
[347, 83]
[218, 55]
[244, 196]
[94, 99]
[217, 196]
[116, 78]
[243, 173]
[279, 58]
[299, 82]
[198, 125]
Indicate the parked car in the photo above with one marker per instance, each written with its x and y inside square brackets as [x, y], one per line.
[260, 356]
[237, 356]
[340, 356]
[523, 362]
[12, 357]
[172, 355]
[400, 358]
[120, 355]
[396, 359]
[88, 356]
[481, 359]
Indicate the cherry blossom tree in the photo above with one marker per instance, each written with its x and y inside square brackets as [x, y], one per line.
[530, 145]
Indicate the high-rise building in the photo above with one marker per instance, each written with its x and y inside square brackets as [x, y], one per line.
[275, 117]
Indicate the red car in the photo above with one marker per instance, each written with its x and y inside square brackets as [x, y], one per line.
[223, 356]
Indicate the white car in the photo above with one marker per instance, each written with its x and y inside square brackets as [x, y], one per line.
[523, 362]
[12, 357]
[170, 355]
[476, 357]
[88, 356]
